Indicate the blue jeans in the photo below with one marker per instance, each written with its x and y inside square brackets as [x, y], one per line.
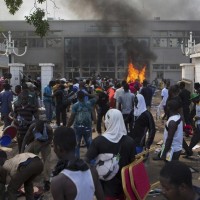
[86, 133]
[49, 110]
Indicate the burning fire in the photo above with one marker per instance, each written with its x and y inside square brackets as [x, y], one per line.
[134, 73]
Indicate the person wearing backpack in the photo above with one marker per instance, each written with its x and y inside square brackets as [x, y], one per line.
[113, 141]
[82, 120]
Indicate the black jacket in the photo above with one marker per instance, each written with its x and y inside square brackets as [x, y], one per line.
[140, 126]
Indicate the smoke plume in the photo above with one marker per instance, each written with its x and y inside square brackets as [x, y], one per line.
[129, 12]
[105, 10]
[134, 9]
[138, 52]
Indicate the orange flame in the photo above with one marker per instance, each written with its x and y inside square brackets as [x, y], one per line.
[134, 73]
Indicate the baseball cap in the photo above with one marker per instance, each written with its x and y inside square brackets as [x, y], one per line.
[194, 96]
[63, 79]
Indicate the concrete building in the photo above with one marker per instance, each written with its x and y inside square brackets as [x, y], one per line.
[87, 48]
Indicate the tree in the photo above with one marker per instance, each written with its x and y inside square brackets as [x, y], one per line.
[36, 18]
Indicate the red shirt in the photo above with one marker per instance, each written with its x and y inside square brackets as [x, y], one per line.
[111, 93]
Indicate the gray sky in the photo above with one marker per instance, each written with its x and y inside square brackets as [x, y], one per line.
[87, 9]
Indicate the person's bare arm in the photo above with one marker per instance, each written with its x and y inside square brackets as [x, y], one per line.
[71, 120]
[91, 95]
[57, 188]
[50, 134]
[27, 137]
[62, 188]
[98, 188]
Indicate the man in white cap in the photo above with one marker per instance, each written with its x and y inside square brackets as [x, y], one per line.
[63, 80]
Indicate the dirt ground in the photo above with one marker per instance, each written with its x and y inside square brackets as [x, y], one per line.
[153, 167]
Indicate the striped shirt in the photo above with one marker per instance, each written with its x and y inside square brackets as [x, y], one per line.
[26, 114]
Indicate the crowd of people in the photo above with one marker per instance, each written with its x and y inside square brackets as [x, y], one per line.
[119, 112]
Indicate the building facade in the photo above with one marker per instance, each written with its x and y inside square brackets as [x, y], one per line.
[88, 48]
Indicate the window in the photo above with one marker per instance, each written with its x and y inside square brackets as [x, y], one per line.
[160, 33]
[17, 34]
[35, 42]
[176, 33]
[53, 42]
[174, 66]
[107, 52]
[159, 42]
[108, 27]
[20, 42]
[175, 42]
[160, 75]
[144, 41]
[32, 33]
[197, 40]
[196, 33]
[54, 33]
[72, 52]
[166, 67]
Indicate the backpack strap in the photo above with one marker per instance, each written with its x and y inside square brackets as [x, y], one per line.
[177, 123]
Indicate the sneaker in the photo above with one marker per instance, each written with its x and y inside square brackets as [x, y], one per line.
[46, 185]
[187, 154]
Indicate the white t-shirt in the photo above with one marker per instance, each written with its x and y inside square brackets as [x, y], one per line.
[126, 100]
[164, 94]
[118, 93]
[198, 113]
[178, 136]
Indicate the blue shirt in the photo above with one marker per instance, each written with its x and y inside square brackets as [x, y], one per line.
[48, 92]
[82, 111]
[6, 97]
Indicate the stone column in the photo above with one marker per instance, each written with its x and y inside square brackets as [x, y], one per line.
[15, 70]
[46, 75]
[188, 71]
[196, 60]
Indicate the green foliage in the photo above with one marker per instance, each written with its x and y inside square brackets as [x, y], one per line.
[13, 5]
[36, 18]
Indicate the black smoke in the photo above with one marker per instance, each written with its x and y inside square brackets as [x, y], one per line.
[106, 10]
[121, 13]
[138, 52]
